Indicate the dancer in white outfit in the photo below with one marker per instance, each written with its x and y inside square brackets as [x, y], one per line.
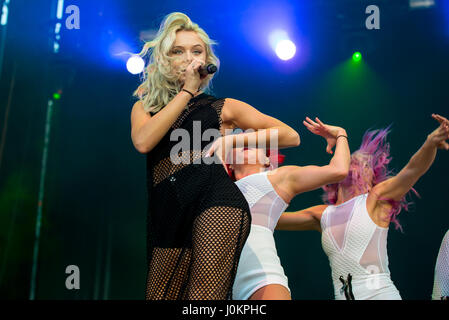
[357, 246]
[260, 275]
[355, 226]
[441, 280]
[259, 263]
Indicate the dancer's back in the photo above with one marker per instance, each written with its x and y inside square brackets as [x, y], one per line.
[355, 245]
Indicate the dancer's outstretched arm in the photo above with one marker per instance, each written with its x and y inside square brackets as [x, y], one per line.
[397, 187]
[296, 179]
[303, 220]
[263, 128]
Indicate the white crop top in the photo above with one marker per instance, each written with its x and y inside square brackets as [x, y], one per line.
[352, 241]
[265, 204]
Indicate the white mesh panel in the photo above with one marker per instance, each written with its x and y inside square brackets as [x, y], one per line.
[338, 222]
[265, 212]
[372, 259]
[265, 204]
[441, 281]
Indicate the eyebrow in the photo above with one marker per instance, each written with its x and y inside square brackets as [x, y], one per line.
[192, 46]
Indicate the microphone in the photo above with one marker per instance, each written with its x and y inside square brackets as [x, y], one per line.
[209, 69]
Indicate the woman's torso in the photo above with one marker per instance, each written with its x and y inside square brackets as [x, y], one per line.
[356, 245]
[178, 178]
[186, 139]
[265, 203]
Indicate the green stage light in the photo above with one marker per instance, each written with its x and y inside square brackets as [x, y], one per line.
[357, 56]
[56, 96]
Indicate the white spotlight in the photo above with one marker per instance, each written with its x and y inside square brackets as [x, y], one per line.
[285, 49]
[135, 64]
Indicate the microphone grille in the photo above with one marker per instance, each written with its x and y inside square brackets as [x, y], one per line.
[211, 68]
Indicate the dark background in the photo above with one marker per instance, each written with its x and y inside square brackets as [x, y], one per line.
[94, 205]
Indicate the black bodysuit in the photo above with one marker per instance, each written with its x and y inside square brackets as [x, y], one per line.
[198, 220]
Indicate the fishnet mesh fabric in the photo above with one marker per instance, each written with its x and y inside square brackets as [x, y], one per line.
[166, 167]
[441, 277]
[207, 270]
[213, 256]
[217, 105]
[198, 220]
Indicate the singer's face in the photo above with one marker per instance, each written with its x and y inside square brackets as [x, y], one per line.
[248, 155]
[187, 47]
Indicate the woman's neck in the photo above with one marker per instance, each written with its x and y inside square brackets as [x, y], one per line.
[345, 194]
[247, 170]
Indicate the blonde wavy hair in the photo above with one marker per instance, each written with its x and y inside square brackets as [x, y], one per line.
[159, 85]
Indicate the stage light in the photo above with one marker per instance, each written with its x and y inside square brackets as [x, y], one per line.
[56, 96]
[5, 10]
[357, 56]
[281, 44]
[135, 65]
[285, 49]
[59, 12]
[60, 9]
[421, 4]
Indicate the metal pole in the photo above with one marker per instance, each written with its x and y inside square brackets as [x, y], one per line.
[2, 144]
[98, 266]
[107, 274]
[40, 199]
[59, 10]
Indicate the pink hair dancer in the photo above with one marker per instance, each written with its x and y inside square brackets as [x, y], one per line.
[354, 222]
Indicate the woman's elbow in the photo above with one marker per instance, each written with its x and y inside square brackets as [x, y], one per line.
[298, 140]
[295, 139]
[341, 174]
[141, 147]
[142, 150]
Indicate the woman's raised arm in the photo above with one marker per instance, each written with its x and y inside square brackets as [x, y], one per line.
[245, 117]
[147, 130]
[397, 187]
[296, 179]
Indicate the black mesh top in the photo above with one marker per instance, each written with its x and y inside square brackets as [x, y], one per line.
[198, 220]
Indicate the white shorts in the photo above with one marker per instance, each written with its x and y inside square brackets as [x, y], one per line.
[259, 264]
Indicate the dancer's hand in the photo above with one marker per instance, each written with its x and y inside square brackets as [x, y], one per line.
[439, 118]
[328, 132]
[192, 76]
[439, 135]
[221, 148]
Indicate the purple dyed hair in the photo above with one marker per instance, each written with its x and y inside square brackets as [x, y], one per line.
[369, 161]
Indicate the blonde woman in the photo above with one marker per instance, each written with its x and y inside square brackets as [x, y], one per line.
[198, 220]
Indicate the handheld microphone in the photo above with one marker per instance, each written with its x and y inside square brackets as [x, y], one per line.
[209, 69]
